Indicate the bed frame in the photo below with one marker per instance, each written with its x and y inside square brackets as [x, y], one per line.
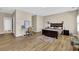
[53, 34]
[56, 25]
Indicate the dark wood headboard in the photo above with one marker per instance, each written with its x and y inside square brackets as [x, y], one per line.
[56, 25]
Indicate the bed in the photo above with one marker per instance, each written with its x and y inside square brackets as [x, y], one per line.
[54, 30]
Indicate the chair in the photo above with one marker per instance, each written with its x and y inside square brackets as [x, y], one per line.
[75, 43]
[29, 32]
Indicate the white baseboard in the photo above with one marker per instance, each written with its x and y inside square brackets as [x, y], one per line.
[18, 35]
[2, 33]
[5, 32]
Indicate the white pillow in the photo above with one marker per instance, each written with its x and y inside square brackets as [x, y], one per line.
[59, 27]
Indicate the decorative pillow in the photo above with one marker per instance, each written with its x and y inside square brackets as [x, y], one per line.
[52, 27]
[59, 27]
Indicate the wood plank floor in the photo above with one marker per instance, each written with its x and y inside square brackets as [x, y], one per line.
[9, 43]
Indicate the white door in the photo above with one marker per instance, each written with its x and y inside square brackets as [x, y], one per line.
[7, 24]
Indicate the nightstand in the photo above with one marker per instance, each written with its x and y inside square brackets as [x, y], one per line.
[66, 32]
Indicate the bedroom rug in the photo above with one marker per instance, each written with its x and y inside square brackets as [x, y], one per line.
[46, 39]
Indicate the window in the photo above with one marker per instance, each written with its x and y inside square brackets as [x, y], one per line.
[26, 24]
[77, 23]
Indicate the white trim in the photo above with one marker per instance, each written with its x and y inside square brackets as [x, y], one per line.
[18, 35]
[2, 33]
[5, 32]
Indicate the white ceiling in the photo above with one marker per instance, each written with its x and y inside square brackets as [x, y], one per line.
[42, 11]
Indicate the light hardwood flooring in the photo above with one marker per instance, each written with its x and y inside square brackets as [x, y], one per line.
[9, 43]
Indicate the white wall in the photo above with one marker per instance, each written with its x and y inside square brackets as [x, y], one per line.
[69, 19]
[37, 23]
[21, 16]
[34, 23]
